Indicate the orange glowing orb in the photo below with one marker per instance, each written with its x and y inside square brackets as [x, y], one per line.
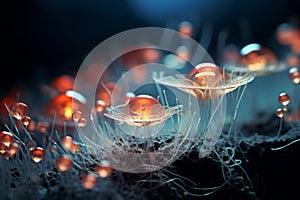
[294, 75]
[88, 181]
[142, 110]
[103, 170]
[208, 75]
[280, 112]
[256, 57]
[6, 138]
[63, 163]
[284, 98]
[37, 154]
[64, 105]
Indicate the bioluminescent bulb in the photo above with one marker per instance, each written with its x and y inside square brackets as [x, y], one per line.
[103, 170]
[19, 110]
[63, 163]
[6, 138]
[207, 80]
[258, 59]
[37, 154]
[26, 121]
[88, 181]
[67, 142]
[142, 111]
[143, 108]
[280, 112]
[294, 75]
[207, 77]
[63, 105]
[284, 98]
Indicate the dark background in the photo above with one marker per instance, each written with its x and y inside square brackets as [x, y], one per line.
[57, 35]
[45, 38]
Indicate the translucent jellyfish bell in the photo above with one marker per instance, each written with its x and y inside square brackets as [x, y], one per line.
[257, 59]
[143, 116]
[206, 80]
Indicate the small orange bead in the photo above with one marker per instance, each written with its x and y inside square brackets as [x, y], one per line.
[63, 163]
[88, 181]
[103, 170]
[64, 105]
[67, 142]
[280, 112]
[26, 121]
[294, 75]
[37, 154]
[284, 98]
[6, 138]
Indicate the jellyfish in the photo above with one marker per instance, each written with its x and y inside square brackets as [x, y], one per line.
[156, 126]
[143, 116]
[207, 80]
[257, 59]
